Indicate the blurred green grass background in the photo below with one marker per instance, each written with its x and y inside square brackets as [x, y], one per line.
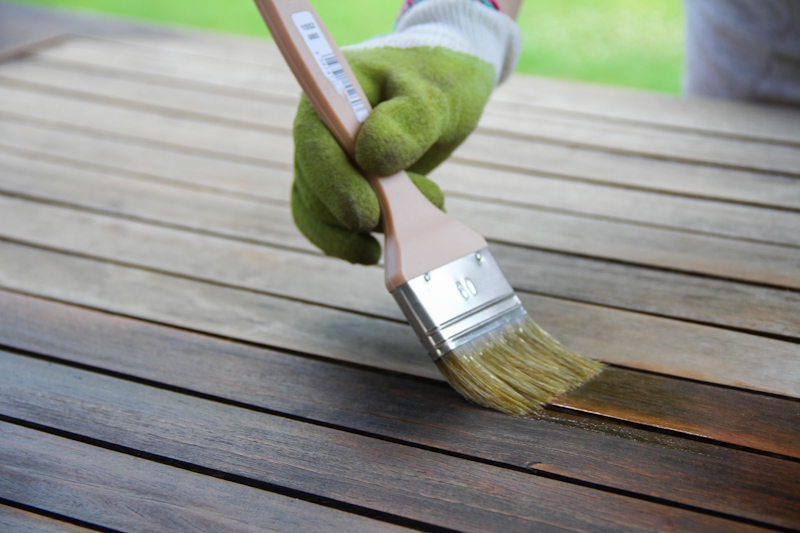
[634, 43]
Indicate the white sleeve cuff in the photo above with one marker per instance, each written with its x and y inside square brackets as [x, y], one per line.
[462, 26]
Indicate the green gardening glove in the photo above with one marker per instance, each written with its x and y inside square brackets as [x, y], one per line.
[428, 91]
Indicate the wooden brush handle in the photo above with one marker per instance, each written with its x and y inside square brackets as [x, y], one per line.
[419, 237]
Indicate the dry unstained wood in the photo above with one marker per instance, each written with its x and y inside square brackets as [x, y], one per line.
[117, 491]
[248, 64]
[589, 165]
[124, 196]
[646, 139]
[423, 413]
[573, 131]
[385, 476]
[358, 288]
[713, 115]
[653, 291]
[104, 87]
[616, 203]
[146, 162]
[150, 128]
[87, 150]
[762, 263]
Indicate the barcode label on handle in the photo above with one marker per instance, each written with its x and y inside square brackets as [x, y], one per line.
[327, 61]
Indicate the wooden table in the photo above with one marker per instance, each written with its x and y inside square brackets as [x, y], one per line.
[175, 356]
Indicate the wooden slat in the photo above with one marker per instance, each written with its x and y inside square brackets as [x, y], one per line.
[714, 115]
[421, 412]
[769, 310]
[118, 491]
[82, 148]
[548, 158]
[297, 275]
[767, 225]
[192, 58]
[16, 521]
[627, 338]
[249, 219]
[616, 203]
[385, 476]
[659, 247]
[572, 131]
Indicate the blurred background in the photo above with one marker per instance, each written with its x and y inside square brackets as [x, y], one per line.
[634, 43]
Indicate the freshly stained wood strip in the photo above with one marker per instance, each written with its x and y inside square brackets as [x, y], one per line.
[761, 263]
[385, 476]
[429, 415]
[118, 491]
[649, 399]
[592, 165]
[572, 131]
[480, 184]
[16, 521]
[626, 338]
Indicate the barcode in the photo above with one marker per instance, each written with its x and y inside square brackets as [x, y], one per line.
[339, 75]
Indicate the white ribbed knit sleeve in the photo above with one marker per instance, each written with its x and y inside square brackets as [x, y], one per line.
[460, 25]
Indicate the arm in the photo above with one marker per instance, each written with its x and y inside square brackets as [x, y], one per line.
[510, 7]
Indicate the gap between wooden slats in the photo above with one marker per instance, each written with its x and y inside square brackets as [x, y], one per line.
[429, 415]
[627, 338]
[555, 231]
[476, 183]
[255, 72]
[247, 112]
[502, 128]
[605, 238]
[389, 477]
[236, 262]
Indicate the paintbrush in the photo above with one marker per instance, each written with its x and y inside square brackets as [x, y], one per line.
[439, 271]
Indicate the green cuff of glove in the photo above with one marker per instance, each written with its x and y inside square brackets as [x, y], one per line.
[426, 100]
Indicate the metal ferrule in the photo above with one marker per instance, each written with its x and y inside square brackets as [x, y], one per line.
[458, 302]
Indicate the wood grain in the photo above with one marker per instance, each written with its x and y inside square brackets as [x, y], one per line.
[573, 130]
[679, 406]
[118, 491]
[297, 275]
[248, 66]
[627, 338]
[482, 184]
[385, 476]
[538, 157]
[16, 521]
[608, 239]
[430, 415]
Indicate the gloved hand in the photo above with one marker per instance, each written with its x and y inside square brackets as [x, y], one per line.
[428, 83]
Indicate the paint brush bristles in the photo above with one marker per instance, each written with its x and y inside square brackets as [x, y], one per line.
[516, 368]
